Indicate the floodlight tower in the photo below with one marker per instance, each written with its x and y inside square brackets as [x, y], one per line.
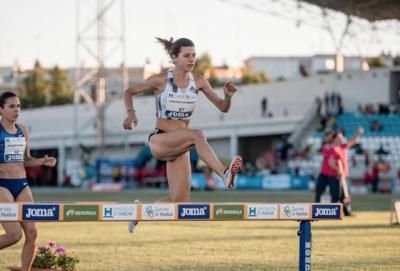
[100, 43]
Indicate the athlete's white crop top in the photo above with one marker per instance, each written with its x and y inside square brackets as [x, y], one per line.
[176, 103]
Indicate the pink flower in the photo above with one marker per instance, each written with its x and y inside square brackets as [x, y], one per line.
[52, 244]
[61, 251]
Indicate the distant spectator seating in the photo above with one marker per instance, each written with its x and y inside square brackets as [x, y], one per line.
[374, 145]
[381, 125]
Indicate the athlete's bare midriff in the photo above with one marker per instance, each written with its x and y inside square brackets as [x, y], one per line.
[169, 125]
[12, 171]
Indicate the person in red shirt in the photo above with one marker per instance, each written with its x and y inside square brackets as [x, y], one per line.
[331, 169]
[342, 150]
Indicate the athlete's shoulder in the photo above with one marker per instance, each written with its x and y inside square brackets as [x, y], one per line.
[161, 75]
[198, 76]
[24, 128]
[156, 81]
[200, 80]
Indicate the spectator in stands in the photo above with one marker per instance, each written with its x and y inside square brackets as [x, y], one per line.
[333, 104]
[176, 92]
[318, 102]
[285, 112]
[380, 176]
[382, 151]
[326, 138]
[331, 169]
[284, 149]
[375, 126]
[116, 173]
[15, 156]
[210, 180]
[360, 109]
[327, 105]
[340, 107]
[369, 109]
[248, 169]
[264, 106]
[375, 176]
[303, 70]
[384, 170]
[367, 159]
[383, 109]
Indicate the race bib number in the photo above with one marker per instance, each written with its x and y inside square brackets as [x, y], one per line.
[180, 105]
[14, 149]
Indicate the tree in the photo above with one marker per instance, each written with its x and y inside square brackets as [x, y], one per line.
[60, 87]
[204, 66]
[255, 78]
[396, 61]
[376, 62]
[35, 89]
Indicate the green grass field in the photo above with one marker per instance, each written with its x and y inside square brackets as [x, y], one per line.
[364, 242]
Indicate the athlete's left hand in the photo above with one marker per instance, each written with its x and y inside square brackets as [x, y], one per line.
[229, 89]
[49, 161]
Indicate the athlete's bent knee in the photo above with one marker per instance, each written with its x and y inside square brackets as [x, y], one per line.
[199, 136]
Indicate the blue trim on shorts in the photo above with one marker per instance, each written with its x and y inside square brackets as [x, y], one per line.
[15, 186]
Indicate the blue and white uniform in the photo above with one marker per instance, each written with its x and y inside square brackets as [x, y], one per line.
[177, 103]
[12, 150]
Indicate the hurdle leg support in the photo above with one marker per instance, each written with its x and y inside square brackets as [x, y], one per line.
[304, 234]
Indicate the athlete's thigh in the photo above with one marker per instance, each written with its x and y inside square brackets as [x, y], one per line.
[179, 176]
[26, 196]
[167, 146]
[6, 197]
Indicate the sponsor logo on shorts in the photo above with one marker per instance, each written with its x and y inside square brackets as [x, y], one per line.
[40, 212]
[193, 211]
[295, 211]
[158, 211]
[262, 211]
[81, 212]
[8, 212]
[228, 212]
[325, 211]
[119, 212]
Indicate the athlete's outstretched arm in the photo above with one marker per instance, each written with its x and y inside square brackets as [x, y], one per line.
[30, 161]
[151, 83]
[356, 137]
[222, 104]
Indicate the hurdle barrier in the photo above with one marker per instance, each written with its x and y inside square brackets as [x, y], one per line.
[304, 213]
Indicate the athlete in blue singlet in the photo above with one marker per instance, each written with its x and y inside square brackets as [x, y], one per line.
[14, 157]
[176, 93]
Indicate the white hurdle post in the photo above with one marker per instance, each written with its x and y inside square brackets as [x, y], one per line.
[304, 213]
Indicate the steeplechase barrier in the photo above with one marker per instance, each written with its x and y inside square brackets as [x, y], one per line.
[304, 213]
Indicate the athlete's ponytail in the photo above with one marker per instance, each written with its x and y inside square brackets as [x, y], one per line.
[174, 47]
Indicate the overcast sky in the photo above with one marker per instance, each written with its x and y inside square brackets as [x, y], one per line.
[46, 30]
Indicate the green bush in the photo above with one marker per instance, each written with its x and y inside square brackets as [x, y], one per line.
[51, 256]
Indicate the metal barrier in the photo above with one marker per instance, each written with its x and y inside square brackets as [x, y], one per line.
[304, 213]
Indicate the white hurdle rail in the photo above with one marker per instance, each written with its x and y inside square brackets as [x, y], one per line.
[304, 213]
